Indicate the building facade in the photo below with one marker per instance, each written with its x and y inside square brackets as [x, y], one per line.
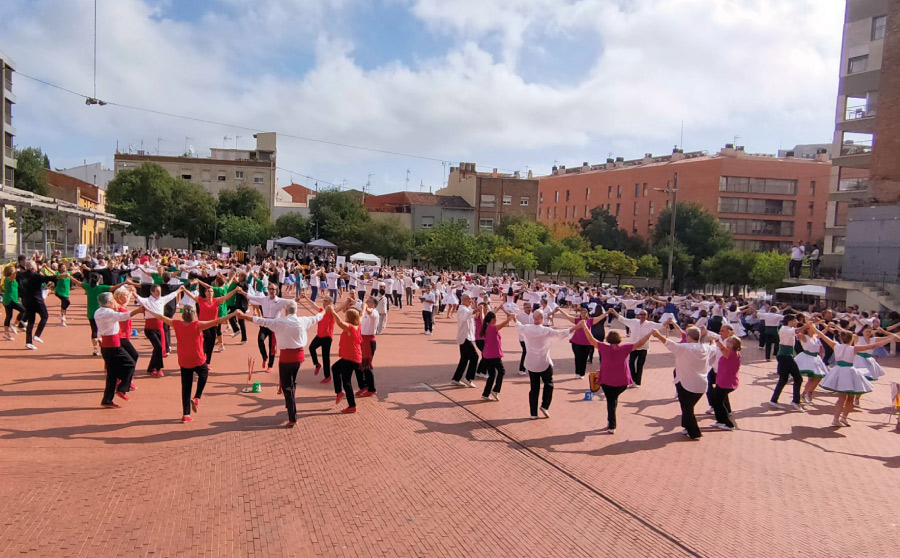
[766, 202]
[224, 169]
[493, 195]
[84, 230]
[865, 26]
[8, 153]
[420, 211]
[93, 173]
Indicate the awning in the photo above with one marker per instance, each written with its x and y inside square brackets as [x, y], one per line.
[288, 241]
[321, 243]
[365, 258]
[811, 290]
[24, 198]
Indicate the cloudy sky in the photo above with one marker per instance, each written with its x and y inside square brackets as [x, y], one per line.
[514, 84]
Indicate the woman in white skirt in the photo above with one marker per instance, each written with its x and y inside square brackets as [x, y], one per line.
[809, 362]
[733, 315]
[844, 378]
[865, 361]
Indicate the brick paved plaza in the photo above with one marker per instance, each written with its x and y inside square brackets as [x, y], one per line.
[426, 469]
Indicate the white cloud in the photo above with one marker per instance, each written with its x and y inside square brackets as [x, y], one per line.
[764, 70]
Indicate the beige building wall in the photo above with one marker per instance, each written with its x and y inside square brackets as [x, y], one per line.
[461, 184]
[404, 218]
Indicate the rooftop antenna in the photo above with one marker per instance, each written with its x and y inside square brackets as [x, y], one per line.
[407, 180]
[681, 141]
[158, 140]
[421, 185]
[236, 137]
[736, 138]
[186, 140]
[224, 139]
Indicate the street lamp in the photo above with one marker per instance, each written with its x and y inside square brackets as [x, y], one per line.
[673, 191]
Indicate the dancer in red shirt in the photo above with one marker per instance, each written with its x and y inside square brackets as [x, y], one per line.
[191, 358]
[350, 353]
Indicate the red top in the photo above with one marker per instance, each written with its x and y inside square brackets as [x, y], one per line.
[326, 326]
[124, 327]
[190, 343]
[614, 369]
[207, 310]
[349, 346]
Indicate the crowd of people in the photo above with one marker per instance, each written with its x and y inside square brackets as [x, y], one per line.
[834, 350]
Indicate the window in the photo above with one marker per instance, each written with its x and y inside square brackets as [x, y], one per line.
[609, 194]
[837, 244]
[763, 207]
[238, 175]
[507, 200]
[812, 208]
[618, 207]
[619, 191]
[812, 187]
[634, 227]
[878, 25]
[840, 214]
[488, 200]
[587, 194]
[808, 229]
[758, 227]
[554, 212]
[587, 212]
[652, 209]
[668, 204]
[486, 224]
[637, 189]
[206, 176]
[540, 197]
[258, 178]
[523, 201]
[567, 212]
[645, 188]
[856, 143]
[220, 176]
[635, 208]
[762, 245]
[852, 184]
[185, 176]
[858, 64]
[556, 197]
[743, 184]
[427, 222]
[568, 195]
[575, 211]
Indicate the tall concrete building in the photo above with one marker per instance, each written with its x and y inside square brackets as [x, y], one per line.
[93, 173]
[494, 195]
[858, 103]
[766, 202]
[224, 169]
[8, 154]
[419, 211]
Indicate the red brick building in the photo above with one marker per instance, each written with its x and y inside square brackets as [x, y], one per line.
[766, 202]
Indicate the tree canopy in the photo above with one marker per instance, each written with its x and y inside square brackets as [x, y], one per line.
[387, 238]
[142, 196]
[244, 201]
[697, 232]
[293, 224]
[340, 217]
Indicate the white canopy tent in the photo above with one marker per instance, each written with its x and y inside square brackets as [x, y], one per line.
[809, 290]
[365, 258]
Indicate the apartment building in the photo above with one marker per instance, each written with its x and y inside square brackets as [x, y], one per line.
[865, 26]
[92, 232]
[224, 169]
[494, 195]
[7, 154]
[419, 211]
[97, 174]
[766, 202]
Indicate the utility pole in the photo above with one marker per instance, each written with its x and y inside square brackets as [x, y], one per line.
[407, 180]
[673, 191]
[158, 140]
[368, 186]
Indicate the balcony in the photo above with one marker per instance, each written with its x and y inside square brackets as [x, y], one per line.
[856, 147]
[9, 152]
[856, 112]
[853, 184]
[7, 84]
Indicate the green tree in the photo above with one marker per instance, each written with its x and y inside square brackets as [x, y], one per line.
[506, 255]
[544, 254]
[448, 244]
[241, 232]
[388, 239]
[142, 196]
[683, 262]
[648, 266]
[340, 217]
[621, 265]
[768, 270]
[193, 213]
[29, 173]
[483, 247]
[243, 201]
[601, 228]
[293, 224]
[697, 231]
[569, 263]
[729, 268]
[522, 232]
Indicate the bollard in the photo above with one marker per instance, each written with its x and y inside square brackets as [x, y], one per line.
[589, 395]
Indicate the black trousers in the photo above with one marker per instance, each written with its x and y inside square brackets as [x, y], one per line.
[722, 406]
[612, 394]
[769, 341]
[187, 381]
[545, 377]
[495, 373]
[156, 358]
[237, 325]
[125, 386]
[787, 368]
[9, 310]
[325, 343]
[365, 378]
[32, 311]
[522, 360]
[636, 362]
[64, 302]
[581, 355]
[482, 365]
[398, 299]
[119, 368]
[343, 376]
[287, 374]
[409, 296]
[468, 362]
[269, 357]
[688, 400]
[427, 317]
[209, 343]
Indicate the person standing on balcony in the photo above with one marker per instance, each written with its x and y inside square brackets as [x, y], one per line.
[796, 265]
[814, 262]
